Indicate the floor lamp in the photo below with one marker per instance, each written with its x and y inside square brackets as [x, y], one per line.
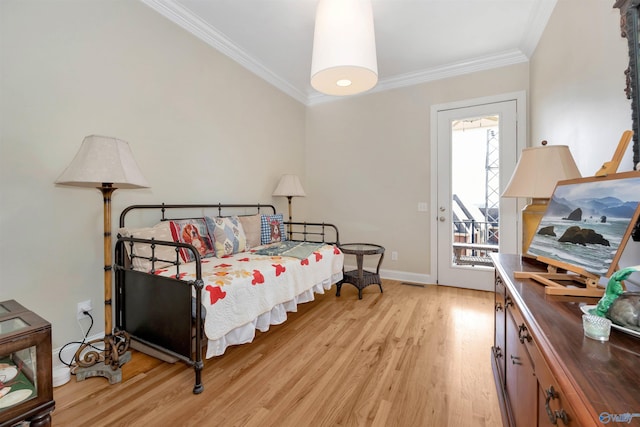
[535, 177]
[289, 186]
[104, 163]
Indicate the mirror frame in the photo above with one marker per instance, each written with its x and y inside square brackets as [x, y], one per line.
[629, 27]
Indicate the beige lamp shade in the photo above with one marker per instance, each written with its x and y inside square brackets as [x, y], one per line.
[538, 171]
[344, 58]
[103, 160]
[289, 186]
[536, 175]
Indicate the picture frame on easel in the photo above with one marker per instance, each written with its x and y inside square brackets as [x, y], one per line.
[584, 231]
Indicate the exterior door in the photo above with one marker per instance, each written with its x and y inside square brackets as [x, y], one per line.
[476, 151]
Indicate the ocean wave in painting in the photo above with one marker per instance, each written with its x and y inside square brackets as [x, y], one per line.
[608, 206]
[593, 258]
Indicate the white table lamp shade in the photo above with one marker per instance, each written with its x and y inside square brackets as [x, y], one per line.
[103, 160]
[538, 171]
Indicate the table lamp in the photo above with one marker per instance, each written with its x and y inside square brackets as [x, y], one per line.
[105, 163]
[289, 186]
[535, 177]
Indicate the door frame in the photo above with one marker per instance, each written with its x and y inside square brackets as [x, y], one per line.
[521, 134]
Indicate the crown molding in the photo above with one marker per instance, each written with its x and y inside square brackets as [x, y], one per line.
[190, 22]
[538, 22]
[438, 73]
[473, 65]
[183, 17]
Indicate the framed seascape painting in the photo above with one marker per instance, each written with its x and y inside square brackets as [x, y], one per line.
[588, 222]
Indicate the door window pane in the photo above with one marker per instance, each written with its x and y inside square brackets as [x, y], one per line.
[475, 189]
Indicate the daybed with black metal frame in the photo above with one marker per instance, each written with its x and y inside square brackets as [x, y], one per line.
[176, 299]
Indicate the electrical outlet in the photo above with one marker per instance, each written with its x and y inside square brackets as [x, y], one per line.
[82, 307]
[394, 256]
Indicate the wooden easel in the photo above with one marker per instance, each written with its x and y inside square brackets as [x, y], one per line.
[612, 166]
[588, 281]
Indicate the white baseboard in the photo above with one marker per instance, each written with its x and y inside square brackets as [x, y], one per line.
[403, 276]
[424, 279]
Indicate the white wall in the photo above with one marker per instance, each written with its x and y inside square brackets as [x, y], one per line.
[379, 143]
[379, 146]
[577, 88]
[577, 83]
[202, 128]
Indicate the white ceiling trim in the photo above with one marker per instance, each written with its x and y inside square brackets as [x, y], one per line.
[190, 22]
[439, 73]
[536, 26]
[205, 32]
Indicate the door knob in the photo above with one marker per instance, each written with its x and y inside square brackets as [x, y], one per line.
[441, 219]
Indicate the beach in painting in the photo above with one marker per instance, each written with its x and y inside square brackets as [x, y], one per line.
[605, 206]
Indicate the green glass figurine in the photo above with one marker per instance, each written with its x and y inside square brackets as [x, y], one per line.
[622, 308]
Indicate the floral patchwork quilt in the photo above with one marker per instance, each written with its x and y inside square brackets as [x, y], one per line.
[251, 290]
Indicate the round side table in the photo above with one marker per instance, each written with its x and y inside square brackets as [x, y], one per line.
[361, 278]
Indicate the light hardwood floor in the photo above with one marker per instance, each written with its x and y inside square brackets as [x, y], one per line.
[409, 357]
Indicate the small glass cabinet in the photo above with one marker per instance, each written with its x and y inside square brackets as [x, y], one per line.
[26, 392]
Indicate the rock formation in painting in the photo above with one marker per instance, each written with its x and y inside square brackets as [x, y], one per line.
[576, 215]
[547, 231]
[583, 236]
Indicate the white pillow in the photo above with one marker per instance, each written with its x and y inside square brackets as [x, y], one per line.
[252, 224]
[160, 231]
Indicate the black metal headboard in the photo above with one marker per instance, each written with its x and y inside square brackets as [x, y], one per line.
[222, 209]
[300, 231]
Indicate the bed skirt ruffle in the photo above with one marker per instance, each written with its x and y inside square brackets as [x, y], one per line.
[277, 315]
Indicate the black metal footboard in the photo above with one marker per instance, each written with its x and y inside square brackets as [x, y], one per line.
[161, 312]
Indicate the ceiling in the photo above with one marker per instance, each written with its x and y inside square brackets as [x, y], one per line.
[416, 40]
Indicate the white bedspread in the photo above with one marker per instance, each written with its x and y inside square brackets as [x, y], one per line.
[247, 291]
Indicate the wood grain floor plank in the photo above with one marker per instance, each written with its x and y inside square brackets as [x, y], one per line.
[411, 356]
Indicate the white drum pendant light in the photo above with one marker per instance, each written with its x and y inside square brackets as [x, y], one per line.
[344, 48]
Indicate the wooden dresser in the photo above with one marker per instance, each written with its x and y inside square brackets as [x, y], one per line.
[546, 371]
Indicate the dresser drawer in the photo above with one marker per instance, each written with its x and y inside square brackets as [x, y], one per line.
[524, 336]
[553, 409]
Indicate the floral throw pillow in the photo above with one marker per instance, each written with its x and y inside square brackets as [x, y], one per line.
[193, 231]
[272, 229]
[228, 235]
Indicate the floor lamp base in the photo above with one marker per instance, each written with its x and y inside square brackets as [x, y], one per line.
[101, 370]
[91, 361]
